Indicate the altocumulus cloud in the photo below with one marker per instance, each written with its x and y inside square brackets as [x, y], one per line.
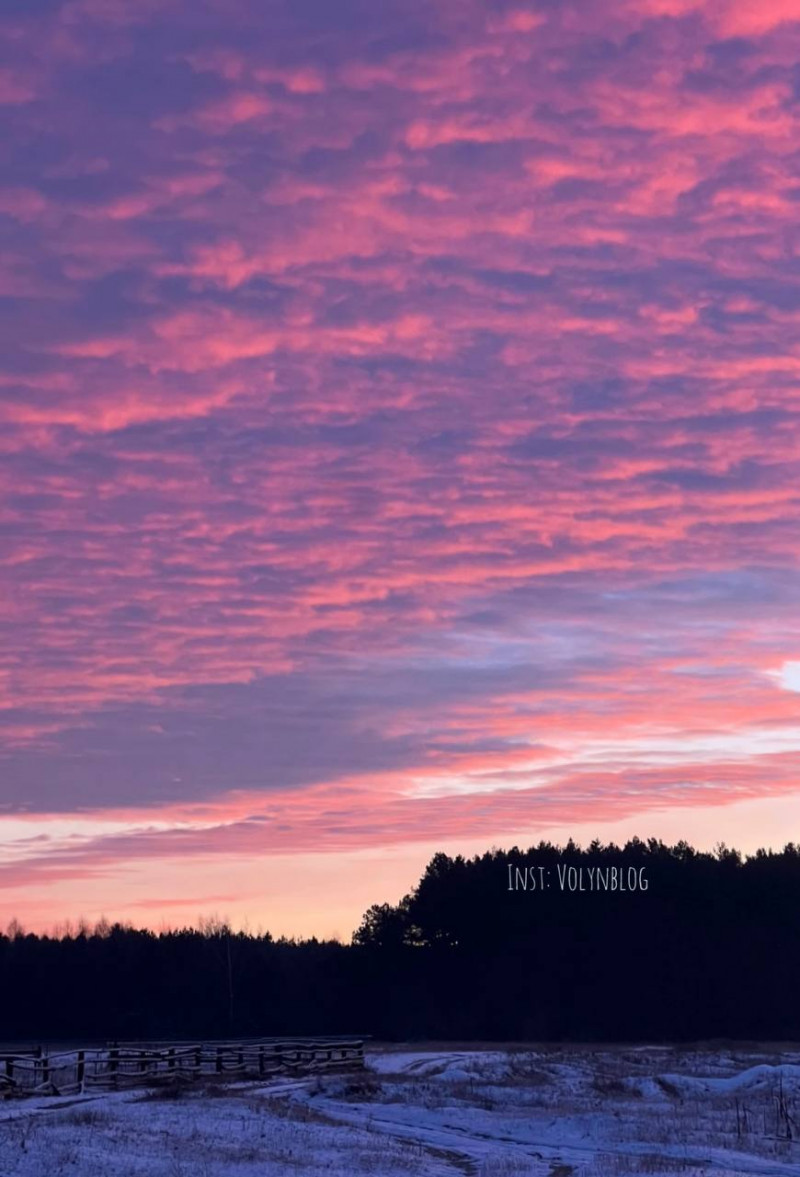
[400, 415]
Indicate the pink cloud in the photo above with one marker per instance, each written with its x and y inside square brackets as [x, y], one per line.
[15, 88]
[399, 422]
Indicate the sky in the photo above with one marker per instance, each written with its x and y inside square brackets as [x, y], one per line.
[399, 439]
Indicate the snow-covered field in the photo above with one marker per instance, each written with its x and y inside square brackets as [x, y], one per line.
[496, 1113]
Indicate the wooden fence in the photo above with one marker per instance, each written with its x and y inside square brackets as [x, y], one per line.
[120, 1065]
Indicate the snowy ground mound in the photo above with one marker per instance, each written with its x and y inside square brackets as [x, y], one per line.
[459, 1065]
[762, 1078]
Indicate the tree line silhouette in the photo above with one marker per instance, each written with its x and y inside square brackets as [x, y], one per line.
[496, 947]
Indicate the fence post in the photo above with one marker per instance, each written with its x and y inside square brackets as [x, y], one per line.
[113, 1065]
[81, 1071]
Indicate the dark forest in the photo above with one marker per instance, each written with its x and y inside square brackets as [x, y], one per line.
[711, 949]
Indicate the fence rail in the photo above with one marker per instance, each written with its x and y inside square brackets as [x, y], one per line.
[121, 1065]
